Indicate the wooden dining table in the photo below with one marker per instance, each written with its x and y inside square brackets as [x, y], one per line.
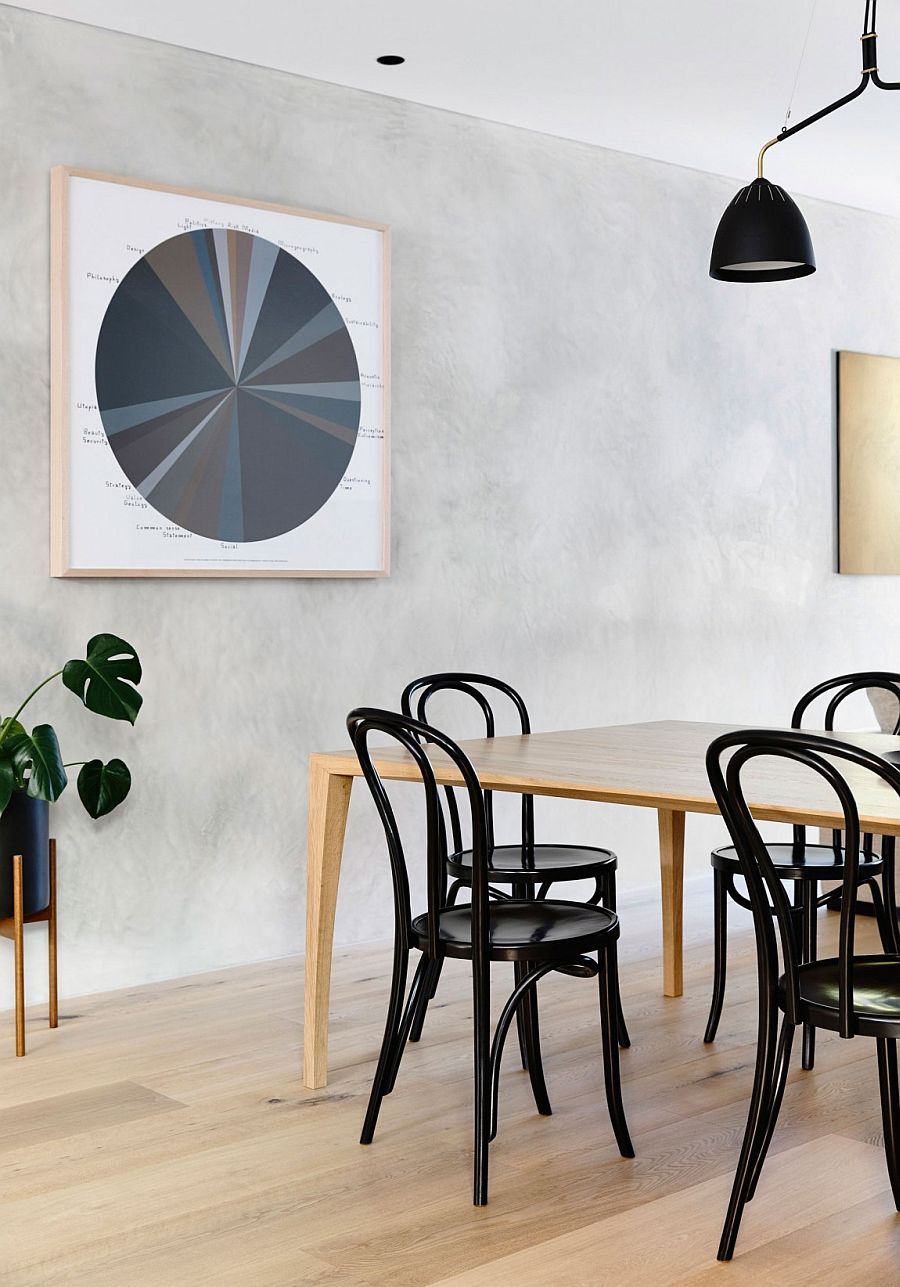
[658, 765]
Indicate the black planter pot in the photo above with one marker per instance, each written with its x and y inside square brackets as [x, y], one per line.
[25, 830]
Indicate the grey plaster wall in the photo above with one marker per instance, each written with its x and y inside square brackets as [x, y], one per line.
[613, 483]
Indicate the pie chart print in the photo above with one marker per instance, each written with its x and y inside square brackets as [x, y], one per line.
[228, 385]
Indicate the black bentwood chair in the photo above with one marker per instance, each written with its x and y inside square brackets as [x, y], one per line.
[526, 869]
[804, 865]
[848, 994]
[539, 936]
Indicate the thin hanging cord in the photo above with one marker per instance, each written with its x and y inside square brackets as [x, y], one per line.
[812, 14]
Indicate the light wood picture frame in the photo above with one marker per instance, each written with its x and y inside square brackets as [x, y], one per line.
[220, 377]
[868, 421]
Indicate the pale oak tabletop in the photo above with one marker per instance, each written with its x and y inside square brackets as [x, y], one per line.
[657, 765]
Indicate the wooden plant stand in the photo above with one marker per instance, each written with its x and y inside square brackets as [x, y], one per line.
[13, 927]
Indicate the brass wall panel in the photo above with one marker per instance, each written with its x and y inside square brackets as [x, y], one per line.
[868, 464]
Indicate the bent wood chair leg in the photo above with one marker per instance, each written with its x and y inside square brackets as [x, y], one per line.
[782, 1066]
[529, 1011]
[420, 979]
[51, 941]
[385, 1058]
[605, 894]
[19, 947]
[482, 1055]
[755, 1131]
[426, 993]
[434, 976]
[890, 1110]
[809, 923]
[882, 918]
[519, 975]
[622, 1036]
[609, 991]
[720, 950]
[889, 888]
[520, 971]
[513, 1001]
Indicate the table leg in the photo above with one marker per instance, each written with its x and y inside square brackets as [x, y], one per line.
[19, 941]
[329, 799]
[671, 870]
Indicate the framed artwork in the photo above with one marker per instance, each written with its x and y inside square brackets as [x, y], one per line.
[219, 385]
[868, 417]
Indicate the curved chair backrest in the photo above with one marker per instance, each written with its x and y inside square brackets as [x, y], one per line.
[415, 737]
[727, 760]
[414, 702]
[837, 691]
[842, 687]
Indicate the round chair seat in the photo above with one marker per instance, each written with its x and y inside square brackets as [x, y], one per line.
[816, 862]
[525, 931]
[876, 994]
[551, 862]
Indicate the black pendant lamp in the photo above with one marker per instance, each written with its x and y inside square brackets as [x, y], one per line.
[762, 236]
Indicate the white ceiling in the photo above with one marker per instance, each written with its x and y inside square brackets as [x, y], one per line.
[701, 83]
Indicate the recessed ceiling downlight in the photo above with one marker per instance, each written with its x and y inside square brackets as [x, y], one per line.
[391, 60]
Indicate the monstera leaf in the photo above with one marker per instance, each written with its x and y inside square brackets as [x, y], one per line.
[10, 727]
[104, 680]
[103, 786]
[37, 754]
[7, 782]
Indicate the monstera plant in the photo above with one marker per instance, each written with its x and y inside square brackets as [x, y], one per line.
[31, 763]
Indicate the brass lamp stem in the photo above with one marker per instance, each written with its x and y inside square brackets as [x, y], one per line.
[762, 151]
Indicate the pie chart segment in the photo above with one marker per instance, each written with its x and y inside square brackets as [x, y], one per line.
[228, 385]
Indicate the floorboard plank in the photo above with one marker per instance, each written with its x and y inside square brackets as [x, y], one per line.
[669, 1240]
[55, 1117]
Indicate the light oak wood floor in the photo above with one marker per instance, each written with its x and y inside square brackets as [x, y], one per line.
[161, 1138]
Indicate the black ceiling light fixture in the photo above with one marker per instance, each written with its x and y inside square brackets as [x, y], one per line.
[762, 236]
[391, 60]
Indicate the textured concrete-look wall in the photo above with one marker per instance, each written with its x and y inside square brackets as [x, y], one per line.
[612, 482]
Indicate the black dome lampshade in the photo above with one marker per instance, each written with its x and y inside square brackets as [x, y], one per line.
[762, 237]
